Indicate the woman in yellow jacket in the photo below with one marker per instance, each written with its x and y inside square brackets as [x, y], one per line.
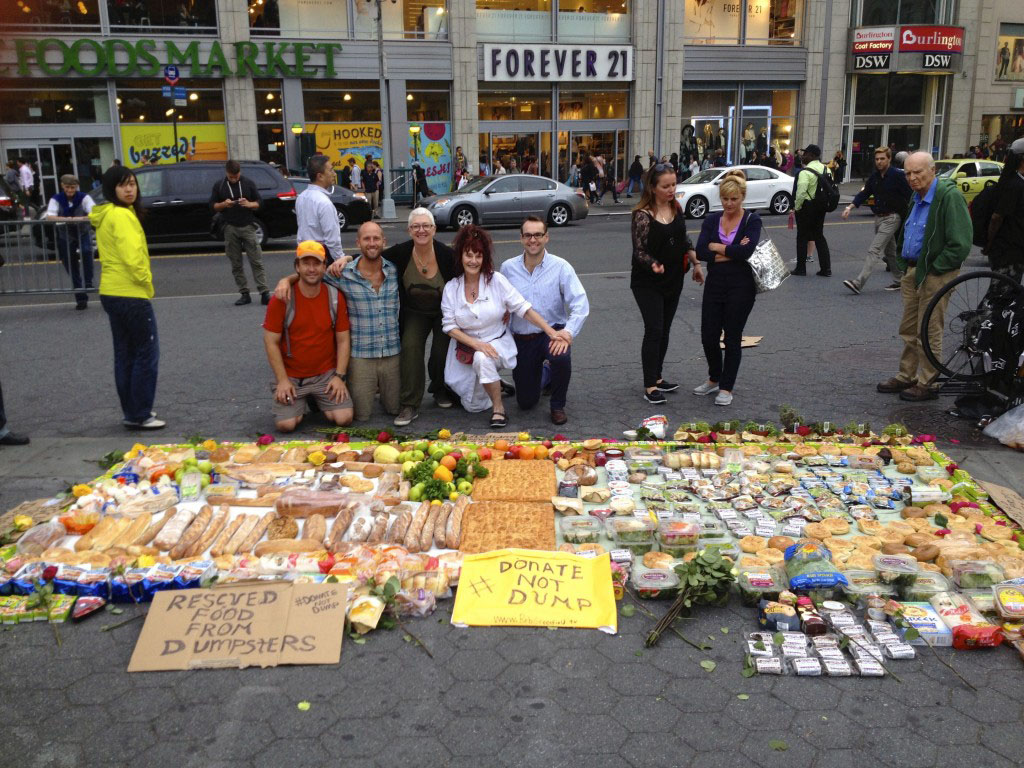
[126, 286]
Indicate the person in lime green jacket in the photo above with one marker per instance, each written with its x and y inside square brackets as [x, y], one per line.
[126, 287]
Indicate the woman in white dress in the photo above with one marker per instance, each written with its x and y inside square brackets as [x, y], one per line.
[473, 308]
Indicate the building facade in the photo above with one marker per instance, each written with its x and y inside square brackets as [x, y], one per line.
[526, 82]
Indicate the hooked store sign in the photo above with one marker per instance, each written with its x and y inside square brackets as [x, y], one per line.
[114, 57]
[557, 63]
[914, 48]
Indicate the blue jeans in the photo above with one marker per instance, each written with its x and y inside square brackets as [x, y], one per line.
[136, 354]
[531, 352]
[633, 183]
[74, 246]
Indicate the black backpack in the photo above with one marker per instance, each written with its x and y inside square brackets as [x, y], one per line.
[826, 196]
[982, 208]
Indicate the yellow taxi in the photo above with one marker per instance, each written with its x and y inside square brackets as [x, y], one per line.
[970, 175]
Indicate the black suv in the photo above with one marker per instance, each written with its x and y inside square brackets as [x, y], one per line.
[177, 200]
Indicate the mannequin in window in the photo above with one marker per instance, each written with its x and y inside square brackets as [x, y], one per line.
[721, 142]
[749, 138]
[709, 137]
[762, 141]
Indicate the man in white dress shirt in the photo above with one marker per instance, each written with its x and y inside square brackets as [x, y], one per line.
[315, 214]
[551, 286]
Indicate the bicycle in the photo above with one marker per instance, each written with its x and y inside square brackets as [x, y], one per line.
[971, 305]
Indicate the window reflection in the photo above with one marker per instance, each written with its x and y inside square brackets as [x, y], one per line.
[514, 106]
[162, 13]
[712, 23]
[359, 102]
[513, 19]
[593, 20]
[592, 105]
[47, 13]
[53, 101]
[141, 101]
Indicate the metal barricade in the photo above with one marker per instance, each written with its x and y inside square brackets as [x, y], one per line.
[42, 256]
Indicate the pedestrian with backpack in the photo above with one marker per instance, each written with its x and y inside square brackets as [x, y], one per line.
[308, 345]
[814, 194]
[1004, 241]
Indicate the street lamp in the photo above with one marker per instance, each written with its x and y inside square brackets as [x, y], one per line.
[387, 204]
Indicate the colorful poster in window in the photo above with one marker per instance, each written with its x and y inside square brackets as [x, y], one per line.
[430, 145]
[1009, 63]
[154, 143]
[340, 141]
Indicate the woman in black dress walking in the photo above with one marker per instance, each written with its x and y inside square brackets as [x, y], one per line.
[662, 254]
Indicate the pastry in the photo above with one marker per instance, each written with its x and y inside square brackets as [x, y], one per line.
[837, 526]
[816, 531]
[593, 495]
[491, 525]
[657, 560]
[772, 556]
[516, 481]
[356, 483]
[781, 543]
[752, 544]
[283, 528]
[906, 468]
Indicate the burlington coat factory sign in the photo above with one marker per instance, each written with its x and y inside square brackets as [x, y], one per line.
[917, 48]
[558, 63]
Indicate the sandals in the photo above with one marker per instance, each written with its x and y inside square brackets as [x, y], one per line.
[498, 420]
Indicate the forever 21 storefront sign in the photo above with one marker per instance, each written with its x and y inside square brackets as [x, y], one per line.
[113, 57]
[557, 63]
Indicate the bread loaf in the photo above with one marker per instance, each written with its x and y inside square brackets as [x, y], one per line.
[287, 545]
[235, 542]
[216, 525]
[380, 528]
[174, 529]
[453, 530]
[412, 534]
[315, 528]
[257, 532]
[427, 534]
[193, 533]
[301, 502]
[341, 523]
[440, 526]
[401, 525]
[225, 535]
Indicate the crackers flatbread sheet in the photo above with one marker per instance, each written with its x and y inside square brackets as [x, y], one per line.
[516, 481]
[491, 525]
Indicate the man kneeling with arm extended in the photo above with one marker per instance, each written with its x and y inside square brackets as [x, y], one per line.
[308, 345]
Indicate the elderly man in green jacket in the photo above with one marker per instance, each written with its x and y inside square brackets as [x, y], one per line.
[935, 241]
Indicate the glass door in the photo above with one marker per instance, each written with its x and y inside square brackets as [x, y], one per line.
[515, 151]
[49, 161]
[866, 139]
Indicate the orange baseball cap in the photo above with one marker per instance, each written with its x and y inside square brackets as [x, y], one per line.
[311, 248]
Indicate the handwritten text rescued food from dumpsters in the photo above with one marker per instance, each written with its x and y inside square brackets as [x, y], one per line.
[263, 624]
[528, 588]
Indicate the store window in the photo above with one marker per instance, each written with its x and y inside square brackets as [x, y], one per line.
[593, 105]
[890, 94]
[514, 105]
[270, 121]
[899, 12]
[1009, 63]
[597, 21]
[401, 19]
[767, 122]
[708, 118]
[54, 101]
[52, 15]
[338, 102]
[712, 22]
[141, 101]
[519, 20]
[774, 22]
[145, 15]
[425, 102]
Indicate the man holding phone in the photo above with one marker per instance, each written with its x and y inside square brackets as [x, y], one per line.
[236, 199]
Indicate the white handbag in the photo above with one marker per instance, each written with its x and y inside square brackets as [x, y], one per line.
[768, 267]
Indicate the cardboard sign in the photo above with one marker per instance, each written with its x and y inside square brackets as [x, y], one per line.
[530, 588]
[263, 625]
[1007, 500]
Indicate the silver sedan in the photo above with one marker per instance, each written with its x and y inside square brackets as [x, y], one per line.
[508, 200]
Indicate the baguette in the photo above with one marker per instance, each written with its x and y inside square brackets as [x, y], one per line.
[341, 523]
[85, 540]
[360, 466]
[453, 531]
[106, 539]
[380, 528]
[257, 532]
[401, 525]
[361, 529]
[412, 534]
[215, 527]
[193, 533]
[287, 545]
[175, 527]
[315, 528]
[427, 534]
[263, 501]
[248, 523]
[150, 533]
[225, 535]
[442, 523]
[133, 531]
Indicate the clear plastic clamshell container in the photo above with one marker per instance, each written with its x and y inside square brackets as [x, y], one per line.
[655, 583]
[756, 584]
[677, 537]
[580, 530]
[632, 533]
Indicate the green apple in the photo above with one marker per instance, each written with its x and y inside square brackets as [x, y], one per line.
[206, 467]
[178, 474]
[472, 457]
[415, 493]
[449, 487]
[438, 454]
[204, 480]
[407, 468]
[464, 487]
[423, 446]
[417, 455]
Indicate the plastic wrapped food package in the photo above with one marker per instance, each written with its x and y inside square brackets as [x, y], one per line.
[302, 502]
[975, 574]
[634, 534]
[756, 584]
[580, 530]
[899, 571]
[1009, 601]
[655, 584]
[809, 566]
[928, 583]
[39, 538]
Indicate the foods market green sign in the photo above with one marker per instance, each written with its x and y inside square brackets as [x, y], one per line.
[113, 57]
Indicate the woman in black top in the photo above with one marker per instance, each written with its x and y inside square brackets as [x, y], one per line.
[662, 253]
[727, 240]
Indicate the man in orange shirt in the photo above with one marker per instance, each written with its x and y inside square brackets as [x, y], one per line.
[307, 342]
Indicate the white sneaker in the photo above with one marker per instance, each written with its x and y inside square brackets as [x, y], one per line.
[406, 416]
[151, 423]
[723, 398]
[705, 389]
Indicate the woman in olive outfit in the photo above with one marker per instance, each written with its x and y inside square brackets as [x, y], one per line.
[662, 254]
[727, 240]
[424, 266]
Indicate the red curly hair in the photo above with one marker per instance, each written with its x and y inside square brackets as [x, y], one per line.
[474, 238]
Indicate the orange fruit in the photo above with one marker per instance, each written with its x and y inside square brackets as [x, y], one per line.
[443, 474]
[540, 452]
[527, 452]
[449, 462]
[501, 445]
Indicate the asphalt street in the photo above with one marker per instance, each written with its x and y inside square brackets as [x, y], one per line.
[497, 697]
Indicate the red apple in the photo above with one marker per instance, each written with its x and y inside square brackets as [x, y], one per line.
[555, 455]
[484, 454]
[547, 444]
[456, 455]
[510, 455]
[515, 449]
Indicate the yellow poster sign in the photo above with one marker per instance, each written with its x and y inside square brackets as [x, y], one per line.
[529, 588]
[196, 141]
[340, 141]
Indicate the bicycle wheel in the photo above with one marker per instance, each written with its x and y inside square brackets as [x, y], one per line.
[955, 353]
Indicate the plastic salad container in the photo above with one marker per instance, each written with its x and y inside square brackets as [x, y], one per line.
[655, 584]
[927, 585]
[634, 534]
[580, 530]
[898, 570]
[975, 574]
[756, 584]
[677, 537]
[1009, 600]
[863, 583]
[711, 530]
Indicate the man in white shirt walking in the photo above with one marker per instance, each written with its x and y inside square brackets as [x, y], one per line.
[551, 286]
[315, 214]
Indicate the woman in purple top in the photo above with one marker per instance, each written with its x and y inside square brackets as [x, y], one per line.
[727, 240]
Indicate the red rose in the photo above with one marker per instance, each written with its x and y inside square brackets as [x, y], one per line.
[560, 438]
[341, 437]
[609, 440]
[703, 439]
[265, 440]
[383, 436]
[803, 431]
[951, 467]
[49, 572]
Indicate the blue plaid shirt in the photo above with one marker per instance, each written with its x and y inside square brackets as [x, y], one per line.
[372, 315]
